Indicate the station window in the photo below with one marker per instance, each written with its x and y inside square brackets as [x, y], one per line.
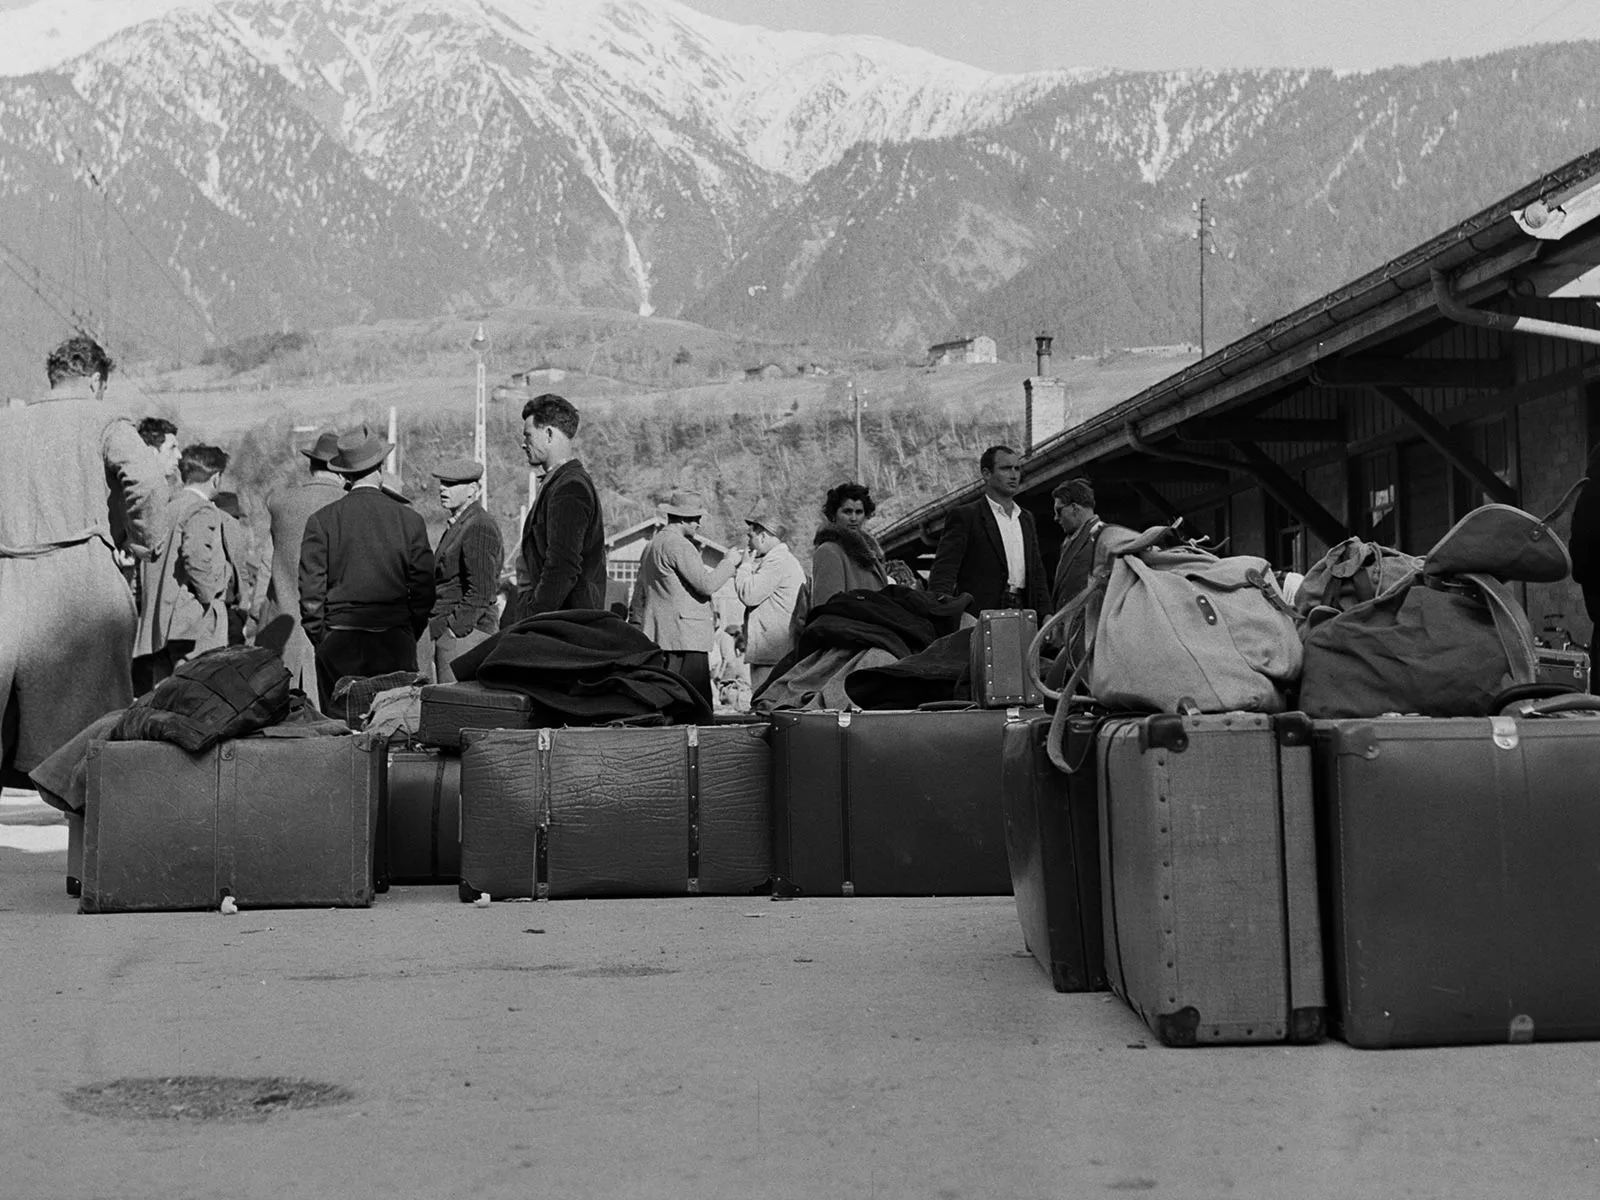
[1378, 497]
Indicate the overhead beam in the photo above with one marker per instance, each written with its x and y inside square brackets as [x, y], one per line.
[1439, 436]
[1286, 490]
[1132, 470]
[1263, 429]
[1164, 507]
[1474, 374]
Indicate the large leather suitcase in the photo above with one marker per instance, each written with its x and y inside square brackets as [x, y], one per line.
[1462, 878]
[888, 803]
[998, 664]
[562, 813]
[448, 708]
[271, 822]
[1208, 875]
[419, 828]
[1053, 845]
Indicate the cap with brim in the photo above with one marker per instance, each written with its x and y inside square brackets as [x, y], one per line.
[762, 519]
[684, 504]
[359, 452]
[459, 470]
[325, 447]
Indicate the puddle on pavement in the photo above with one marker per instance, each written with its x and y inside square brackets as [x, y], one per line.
[624, 971]
[203, 1098]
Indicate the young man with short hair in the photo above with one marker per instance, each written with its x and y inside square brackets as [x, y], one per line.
[563, 557]
[989, 549]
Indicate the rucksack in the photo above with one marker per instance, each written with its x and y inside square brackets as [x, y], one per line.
[1449, 637]
[220, 694]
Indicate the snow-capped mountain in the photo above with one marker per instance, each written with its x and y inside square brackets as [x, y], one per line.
[187, 170]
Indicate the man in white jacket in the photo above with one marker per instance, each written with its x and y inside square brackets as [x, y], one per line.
[771, 584]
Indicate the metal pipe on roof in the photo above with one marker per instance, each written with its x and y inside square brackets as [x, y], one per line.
[1450, 305]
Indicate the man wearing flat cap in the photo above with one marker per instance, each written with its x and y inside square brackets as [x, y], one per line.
[771, 584]
[466, 570]
[366, 572]
[672, 596]
[289, 510]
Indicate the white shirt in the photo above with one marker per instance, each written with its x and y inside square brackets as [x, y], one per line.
[1011, 538]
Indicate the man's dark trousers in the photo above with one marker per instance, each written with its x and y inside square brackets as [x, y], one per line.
[362, 653]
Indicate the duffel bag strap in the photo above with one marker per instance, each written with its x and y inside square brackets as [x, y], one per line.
[1511, 623]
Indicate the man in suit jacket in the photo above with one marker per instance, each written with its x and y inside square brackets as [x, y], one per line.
[672, 596]
[466, 570]
[989, 548]
[563, 561]
[185, 612]
[366, 573]
[289, 510]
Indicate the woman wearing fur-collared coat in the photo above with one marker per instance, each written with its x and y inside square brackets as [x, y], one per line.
[845, 556]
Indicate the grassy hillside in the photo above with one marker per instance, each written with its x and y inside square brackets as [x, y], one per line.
[665, 405]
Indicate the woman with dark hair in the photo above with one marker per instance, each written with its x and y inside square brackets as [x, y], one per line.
[846, 556]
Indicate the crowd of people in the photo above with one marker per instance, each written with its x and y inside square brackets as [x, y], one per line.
[122, 556]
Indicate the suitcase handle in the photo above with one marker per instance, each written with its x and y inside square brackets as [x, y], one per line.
[1553, 706]
[1520, 692]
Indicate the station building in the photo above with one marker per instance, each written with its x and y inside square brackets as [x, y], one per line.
[1466, 370]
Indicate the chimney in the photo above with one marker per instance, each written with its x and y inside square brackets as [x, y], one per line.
[1042, 348]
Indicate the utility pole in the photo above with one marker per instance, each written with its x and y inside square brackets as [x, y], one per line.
[855, 398]
[480, 420]
[1208, 245]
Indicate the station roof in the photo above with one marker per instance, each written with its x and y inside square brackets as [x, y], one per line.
[1517, 243]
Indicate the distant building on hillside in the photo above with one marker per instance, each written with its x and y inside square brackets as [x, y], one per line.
[979, 349]
[769, 370]
[625, 548]
[536, 376]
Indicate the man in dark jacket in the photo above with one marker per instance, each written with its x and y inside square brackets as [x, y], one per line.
[366, 573]
[466, 570]
[989, 548]
[563, 542]
[1584, 541]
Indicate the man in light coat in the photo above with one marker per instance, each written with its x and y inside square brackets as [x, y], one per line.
[771, 584]
[289, 510]
[672, 596]
[466, 571]
[185, 612]
[66, 614]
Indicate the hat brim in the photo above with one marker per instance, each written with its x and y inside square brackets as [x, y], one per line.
[314, 456]
[362, 462]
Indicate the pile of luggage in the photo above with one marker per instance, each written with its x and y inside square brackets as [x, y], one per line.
[487, 789]
[1356, 807]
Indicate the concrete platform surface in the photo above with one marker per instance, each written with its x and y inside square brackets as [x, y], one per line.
[707, 1048]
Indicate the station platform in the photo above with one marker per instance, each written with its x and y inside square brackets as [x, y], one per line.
[706, 1048]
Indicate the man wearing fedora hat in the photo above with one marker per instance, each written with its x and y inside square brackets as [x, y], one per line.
[366, 572]
[672, 596]
[289, 510]
[771, 584]
[466, 570]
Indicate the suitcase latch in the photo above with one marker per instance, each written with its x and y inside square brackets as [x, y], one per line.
[1505, 732]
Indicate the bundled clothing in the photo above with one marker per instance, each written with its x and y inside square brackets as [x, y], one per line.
[584, 667]
[66, 615]
[563, 546]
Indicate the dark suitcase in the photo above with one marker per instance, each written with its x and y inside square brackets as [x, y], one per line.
[1462, 878]
[1570, 668]
[999, 658]
[1208, 876]
[272, 822]
[562, 813]
[448, 708]
[1053, 846]
[889, 803]
[420, 823]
